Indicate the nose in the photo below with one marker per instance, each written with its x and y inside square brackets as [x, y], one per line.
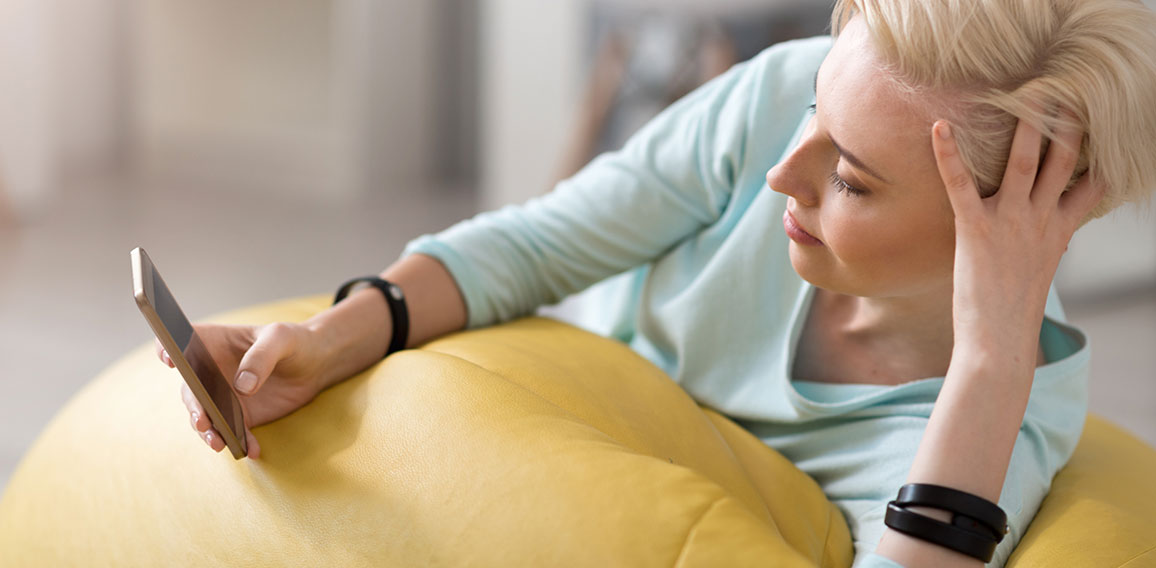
[798, 174]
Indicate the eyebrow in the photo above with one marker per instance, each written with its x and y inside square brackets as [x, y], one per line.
[855, 161]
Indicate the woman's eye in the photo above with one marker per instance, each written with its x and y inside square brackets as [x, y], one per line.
[841, 185]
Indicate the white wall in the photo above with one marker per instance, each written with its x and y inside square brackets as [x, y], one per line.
[28, 161]
[62, 104]
[226, 87]
[91, 77]
[1111, 255]
[317, 96]
[384, 69]
[532, 78]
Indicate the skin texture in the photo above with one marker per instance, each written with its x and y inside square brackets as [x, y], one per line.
[898, 239]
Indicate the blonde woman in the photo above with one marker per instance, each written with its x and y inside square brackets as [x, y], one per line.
[845, 243]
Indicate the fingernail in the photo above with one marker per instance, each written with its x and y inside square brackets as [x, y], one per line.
[209, 438]
[945, 131]
[246, 382]
[193, 418]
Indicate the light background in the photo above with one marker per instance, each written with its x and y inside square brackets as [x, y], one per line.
[272, 148]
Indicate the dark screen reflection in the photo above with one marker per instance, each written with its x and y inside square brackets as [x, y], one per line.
[198, 357]
[175, 321]
[219, 390]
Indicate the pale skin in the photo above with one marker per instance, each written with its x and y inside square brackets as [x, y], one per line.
[918, 277]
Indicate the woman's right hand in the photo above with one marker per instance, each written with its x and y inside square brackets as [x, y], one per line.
[274, 370]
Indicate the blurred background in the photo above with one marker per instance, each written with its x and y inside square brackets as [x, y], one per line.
[272, 148]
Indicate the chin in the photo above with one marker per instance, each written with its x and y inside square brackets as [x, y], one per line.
[808, 267]
[823, 272]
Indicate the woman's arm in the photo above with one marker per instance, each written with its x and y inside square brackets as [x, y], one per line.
[674, 177]
[356, 332]
[1008, 247]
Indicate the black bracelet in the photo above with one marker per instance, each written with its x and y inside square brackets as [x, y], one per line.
[977, 513]
[397, 308]
[976, 545]
[977, 525]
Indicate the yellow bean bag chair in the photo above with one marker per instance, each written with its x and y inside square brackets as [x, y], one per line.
[527, 444]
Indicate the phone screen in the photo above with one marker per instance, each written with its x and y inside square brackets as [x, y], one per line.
[194, 351]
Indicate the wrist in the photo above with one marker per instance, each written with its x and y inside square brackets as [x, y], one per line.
[323, 336]
[350, 336]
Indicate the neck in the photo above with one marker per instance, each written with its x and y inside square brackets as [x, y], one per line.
[916, 331]
[927, 317]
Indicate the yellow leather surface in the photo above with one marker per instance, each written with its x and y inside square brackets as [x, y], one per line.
[531, 443]
[1101, 510]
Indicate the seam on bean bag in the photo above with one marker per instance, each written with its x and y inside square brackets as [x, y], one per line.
[828, 558]
[680, 559]
[711, 420]
[509, 381]
[1147, 554]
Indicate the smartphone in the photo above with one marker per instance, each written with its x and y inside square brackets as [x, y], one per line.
[188, 353]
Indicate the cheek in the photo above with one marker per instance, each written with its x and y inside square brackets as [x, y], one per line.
[890, 246]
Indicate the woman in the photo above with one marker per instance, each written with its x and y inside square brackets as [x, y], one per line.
[925, 197]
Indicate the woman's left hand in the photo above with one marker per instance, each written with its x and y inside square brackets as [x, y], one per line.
[1008, 245]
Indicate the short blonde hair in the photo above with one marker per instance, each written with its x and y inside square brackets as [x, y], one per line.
[1004, 60]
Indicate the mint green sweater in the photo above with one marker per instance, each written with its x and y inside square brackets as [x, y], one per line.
[707, 293]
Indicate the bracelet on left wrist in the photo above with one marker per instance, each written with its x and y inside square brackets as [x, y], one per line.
[398, 312]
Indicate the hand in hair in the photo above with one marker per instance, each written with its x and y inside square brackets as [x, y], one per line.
[1007, 248]
[1008, 245]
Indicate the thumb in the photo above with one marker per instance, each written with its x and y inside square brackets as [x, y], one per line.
[272, 344]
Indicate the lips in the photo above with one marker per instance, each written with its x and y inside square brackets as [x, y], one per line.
[796, 232]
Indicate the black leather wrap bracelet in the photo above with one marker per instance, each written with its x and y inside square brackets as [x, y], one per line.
[398, 312]
[979, 511]
[976, 527]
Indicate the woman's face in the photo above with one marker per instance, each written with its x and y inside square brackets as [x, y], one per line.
[896, 237]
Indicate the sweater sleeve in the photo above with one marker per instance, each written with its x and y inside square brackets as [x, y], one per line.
[624, 209]
[873, 560]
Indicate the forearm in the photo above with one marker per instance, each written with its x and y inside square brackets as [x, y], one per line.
[356, 332]
[968, 442]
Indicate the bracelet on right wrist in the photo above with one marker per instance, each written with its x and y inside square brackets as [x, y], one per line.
[976, 527]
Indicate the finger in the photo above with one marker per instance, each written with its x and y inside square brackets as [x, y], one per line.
[188, 398]
[201, 423]
[961, 189]
[161, 353]
[254, 447]
[197, 416]
[1022, 164]
[1076, 203]
[1060, 163]
[272, 344]
[213, 439]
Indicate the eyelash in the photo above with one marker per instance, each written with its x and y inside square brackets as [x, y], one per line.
[841, 184]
